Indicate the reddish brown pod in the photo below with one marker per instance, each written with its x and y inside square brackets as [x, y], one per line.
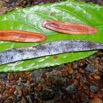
[21, 36]
[69, 28]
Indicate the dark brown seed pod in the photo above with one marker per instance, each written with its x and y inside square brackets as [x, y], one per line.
[21, 36]
[69, 28]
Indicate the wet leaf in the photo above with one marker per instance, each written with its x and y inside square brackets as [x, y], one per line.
[31, 18]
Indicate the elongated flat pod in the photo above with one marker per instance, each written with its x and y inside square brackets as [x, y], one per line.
[52, 48]
[69, 28]
[21, 36]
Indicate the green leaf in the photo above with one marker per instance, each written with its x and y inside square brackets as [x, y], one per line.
[31, 18]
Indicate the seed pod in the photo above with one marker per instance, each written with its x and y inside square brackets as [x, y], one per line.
[47, 49]
[21, 36]
[69, 28]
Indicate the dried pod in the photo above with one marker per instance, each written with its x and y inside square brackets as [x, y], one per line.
[21, 36]
[52, 48]
[69, 28]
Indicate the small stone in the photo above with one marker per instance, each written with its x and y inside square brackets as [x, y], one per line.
[24, 80]
[74, 65]
[64, 72]
[36, 75]
[19, 88]
[16, 77]
[75, 82]
[81, 70]
[97, 77]
[96, 100]
[25, 91]
[78, 75]
[11, 83]
[19, 98]
[91, 68]
[93, 57]
[1, 86]
[11, 91]
[71, 88]
[11, 76]
[22, 75]
[84, 79]
[82, 64]
[39, 88]
[58, 81]
[44, 75]
[93, 88]
[70, 70]
[30, 80]
[48, 81]
[46, 95]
